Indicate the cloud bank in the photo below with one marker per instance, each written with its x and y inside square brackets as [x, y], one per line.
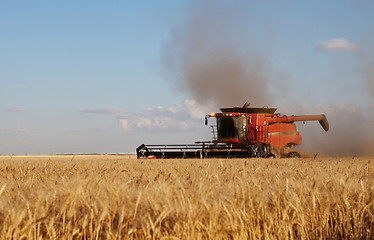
[171, 118]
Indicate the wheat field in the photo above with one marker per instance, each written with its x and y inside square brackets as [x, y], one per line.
[117, 197]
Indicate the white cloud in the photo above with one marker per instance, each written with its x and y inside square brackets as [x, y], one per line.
[162, 110]
[173, 109]
[145, 123]
[175, 123]
[174, 117]
[157, 123]
[153, 124]
[125, 124]
[197, 110]
[337, 45]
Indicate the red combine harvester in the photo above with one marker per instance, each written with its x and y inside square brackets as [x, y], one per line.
[241, 132]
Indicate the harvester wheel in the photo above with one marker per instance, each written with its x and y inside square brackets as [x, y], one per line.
[258, 150]
[293, 155]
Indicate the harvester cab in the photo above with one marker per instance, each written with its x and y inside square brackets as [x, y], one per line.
[241, 132]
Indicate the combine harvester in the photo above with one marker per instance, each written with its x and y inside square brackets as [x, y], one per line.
[241, 132]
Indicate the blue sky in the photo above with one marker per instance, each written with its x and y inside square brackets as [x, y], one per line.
[104, 77]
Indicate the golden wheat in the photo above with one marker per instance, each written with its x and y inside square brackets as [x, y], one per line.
[111, 197]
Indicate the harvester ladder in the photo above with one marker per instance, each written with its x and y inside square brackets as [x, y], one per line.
[262, 133]
[214, 130]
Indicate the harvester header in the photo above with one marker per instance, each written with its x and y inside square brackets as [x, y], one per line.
[241, 132]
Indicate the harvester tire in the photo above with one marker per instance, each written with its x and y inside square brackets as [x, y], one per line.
[258, 150]
[293, 155]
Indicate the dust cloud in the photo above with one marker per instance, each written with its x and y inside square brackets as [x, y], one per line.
[352, 126]
[209, 58]
[350, 134]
